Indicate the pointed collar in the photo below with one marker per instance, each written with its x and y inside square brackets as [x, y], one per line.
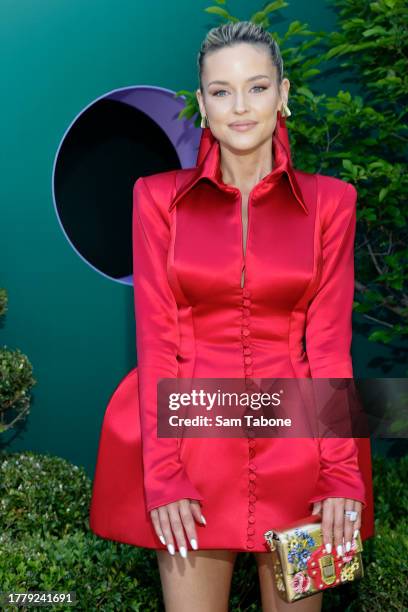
[208, 165]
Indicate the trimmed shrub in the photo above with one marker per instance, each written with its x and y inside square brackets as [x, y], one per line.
[46, 544]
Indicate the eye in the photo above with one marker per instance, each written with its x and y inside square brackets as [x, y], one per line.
[222, 91]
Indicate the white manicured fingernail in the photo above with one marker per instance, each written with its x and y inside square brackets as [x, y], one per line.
[170, 548]
[203, 520]
[339, 550]
[183, 551]
[162, 540]
[355, 534]
[194, 543]
[328, 547]
[348, 546]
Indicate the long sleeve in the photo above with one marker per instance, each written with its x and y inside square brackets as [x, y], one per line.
[328, 342]
[157, 341]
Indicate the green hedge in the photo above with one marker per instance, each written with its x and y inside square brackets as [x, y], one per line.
[46, 544]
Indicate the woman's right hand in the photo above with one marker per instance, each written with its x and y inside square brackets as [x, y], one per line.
[170, 519]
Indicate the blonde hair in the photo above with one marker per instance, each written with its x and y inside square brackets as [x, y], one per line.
[229, 34]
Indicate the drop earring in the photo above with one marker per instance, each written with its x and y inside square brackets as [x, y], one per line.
[285, 110]
[204, 121]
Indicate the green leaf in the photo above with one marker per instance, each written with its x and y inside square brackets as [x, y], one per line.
[399, 425]
[185, 112]
[182, 92]
[382, 335]
[338, 50]
[348, 165]
[311, 72]
[368, 214]
[259, 18]
[216, 10]
[274, 6]
[374, 31]
[294, 27]
[305, 91]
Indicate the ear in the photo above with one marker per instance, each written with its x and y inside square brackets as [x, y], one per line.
[200, 101]
[285, 86]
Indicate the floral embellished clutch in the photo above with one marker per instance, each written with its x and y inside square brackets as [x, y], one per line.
[302, 566]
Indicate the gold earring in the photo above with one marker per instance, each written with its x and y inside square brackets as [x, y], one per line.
[204, 121]
[285, 110]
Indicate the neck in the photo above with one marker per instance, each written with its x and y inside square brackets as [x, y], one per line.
[245, 169]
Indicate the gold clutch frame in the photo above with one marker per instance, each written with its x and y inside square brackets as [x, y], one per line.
[302, 566]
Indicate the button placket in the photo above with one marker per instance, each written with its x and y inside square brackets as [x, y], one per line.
[248, 371]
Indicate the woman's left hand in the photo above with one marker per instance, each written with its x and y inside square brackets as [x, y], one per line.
[335, 524]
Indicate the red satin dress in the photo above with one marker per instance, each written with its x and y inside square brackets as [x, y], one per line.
[194, 320]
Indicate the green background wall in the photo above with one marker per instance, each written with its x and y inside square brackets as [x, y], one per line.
[75, 325]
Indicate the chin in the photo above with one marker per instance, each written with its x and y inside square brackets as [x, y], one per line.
[244, 142]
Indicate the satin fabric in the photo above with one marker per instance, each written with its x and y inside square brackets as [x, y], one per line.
[193, 319]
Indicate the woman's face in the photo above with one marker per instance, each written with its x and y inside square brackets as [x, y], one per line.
[240, 84]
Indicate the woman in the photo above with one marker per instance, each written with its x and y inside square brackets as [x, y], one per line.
[235, 261]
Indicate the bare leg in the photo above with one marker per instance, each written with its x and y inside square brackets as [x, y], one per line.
[271, 602]
[202, 582]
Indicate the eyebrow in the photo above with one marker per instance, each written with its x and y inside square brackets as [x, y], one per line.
[254, 78]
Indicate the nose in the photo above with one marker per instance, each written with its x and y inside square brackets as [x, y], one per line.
[240, 103]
